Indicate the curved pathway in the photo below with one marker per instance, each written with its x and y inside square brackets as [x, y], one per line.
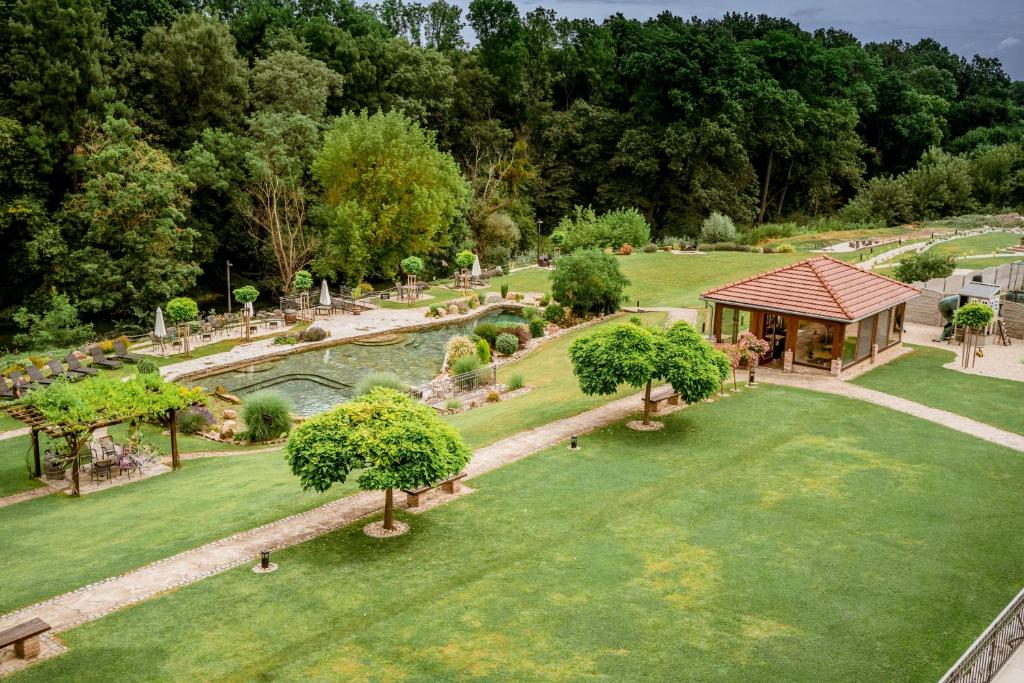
[98, 599]
[830, 385]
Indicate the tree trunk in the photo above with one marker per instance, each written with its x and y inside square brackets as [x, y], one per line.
[734, 387]
[764, 189]
[785, 186]
[647, 403]
[389, 510]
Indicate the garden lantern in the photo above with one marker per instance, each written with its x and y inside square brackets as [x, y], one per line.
[573, 443]
[265, 560]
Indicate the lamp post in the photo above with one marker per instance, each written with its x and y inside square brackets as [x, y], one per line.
[229, 286]
[539, 223]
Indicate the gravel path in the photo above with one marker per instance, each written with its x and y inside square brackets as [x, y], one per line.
[25, 495]
[14, 433]
[95, 600]
[830, 385]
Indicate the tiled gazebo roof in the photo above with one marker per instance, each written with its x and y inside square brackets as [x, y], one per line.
[820, 287]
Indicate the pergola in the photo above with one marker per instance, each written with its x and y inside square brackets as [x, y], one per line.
[818, 313]
[32, 417]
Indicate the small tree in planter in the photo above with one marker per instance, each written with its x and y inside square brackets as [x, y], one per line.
[412, 266]
[245, 296]
[182, 311]
[392, 440]
[302, 281]
[973, 318]
[751, 348]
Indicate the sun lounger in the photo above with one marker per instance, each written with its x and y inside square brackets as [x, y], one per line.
[36, 376]
[101, 360]
[57, 370]
[122, 353]
[7, 392]
[75, 366]
[22, 380]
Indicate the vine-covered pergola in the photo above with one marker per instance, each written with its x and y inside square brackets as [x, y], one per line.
[74, 411]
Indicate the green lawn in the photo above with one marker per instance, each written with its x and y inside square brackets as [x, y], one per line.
[7, 423]
[982, 263]
[766, 537]
[919, 376]
[987, 243]
[556, 393]
[438, 295]
[55, 544]
[663, 279]
[14, 454]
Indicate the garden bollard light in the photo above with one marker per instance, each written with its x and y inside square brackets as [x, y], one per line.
[573, 443]
[265, 559]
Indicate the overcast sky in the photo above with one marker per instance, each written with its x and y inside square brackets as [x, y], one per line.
[992, 28]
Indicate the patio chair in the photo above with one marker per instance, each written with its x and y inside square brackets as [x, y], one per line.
[22, 381]
[101, 360]
[75, 366]
[111, 451]
[36, 376]
[57, 370]
[122, 353]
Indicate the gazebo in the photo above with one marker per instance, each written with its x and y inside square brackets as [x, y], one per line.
[820, 313]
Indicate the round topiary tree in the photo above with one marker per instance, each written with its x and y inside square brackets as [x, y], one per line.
[182, 311]
[464, 259]
[393, 441]
[973, 318]
[588, 281]
[302, 281]
[638, 356]
[506, 344]
[412, 266]
[245, 296]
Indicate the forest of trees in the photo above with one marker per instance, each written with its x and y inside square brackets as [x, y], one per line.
[145, 143]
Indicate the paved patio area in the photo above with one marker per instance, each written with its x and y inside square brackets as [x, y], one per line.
[1006, 362]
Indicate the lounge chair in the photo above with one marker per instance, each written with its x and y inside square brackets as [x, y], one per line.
[36, 376]
[7, 392]
[57, 370]
[122, 353]
[75, 366]
[22, 381]
[101, 360]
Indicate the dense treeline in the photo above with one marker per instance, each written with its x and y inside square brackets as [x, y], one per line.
[145, 143]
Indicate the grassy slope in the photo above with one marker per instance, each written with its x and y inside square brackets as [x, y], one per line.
[735, 545]
[439, 295]
[663, 279]
[14, 454]
[919, 376]
[556, 393]
[55, 544]
[988, 243]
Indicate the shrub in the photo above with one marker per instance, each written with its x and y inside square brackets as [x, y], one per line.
[504, 290]
[584, 229]
[453, 404]
[530, 312]
[588, 281]
[506, 344]
[195, 419]
[473, 302]
[486, 331]
[460, 347]
[302, 281]
[286, 340]
[545, 300]
[313, 334]
[493, 396]
[784, 248]
[717, 228]
[974, 315]
[520, 331]
[147, 367]
[923, 267]
[57, 327]
[624, 227]
[626, 249]
[106, 346]
[515, 382]
[40, 362]
[554, 313]
[465, 364]
[483, 351]
[267, 416]
[412, 265]
[373, 380]
[649, 248]
[537, 328]
[433, 311]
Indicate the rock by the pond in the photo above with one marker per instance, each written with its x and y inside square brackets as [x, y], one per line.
[453, 309]
[494, 298]
[230, 414]
[227, 430]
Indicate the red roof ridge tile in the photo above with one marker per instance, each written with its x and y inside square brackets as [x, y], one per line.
[812, 263]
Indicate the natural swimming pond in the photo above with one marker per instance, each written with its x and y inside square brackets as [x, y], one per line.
[318, 379]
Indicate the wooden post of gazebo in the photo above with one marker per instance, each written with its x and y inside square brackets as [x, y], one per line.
[175, 460]
[37, 469]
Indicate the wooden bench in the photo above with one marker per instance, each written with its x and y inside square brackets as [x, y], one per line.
[24, 637]
[668, 396]
[450, 485]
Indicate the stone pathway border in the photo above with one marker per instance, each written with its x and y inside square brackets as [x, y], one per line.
[25, 495]
[830, 385]
[14, 433]
[103, 597]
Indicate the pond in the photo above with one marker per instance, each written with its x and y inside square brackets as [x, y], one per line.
[318, 379]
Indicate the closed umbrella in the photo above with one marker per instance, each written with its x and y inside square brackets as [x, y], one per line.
[475, 270]
[325, 294]
[159, 329]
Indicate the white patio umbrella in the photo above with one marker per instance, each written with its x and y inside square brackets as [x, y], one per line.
[159, 329]
[325, 294]
[475, 270]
